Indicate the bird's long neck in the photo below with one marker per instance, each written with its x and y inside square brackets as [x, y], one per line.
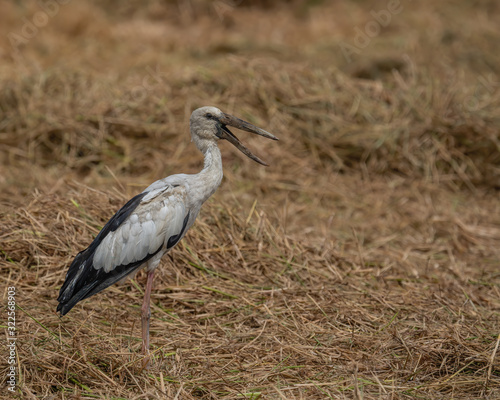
[210, 177]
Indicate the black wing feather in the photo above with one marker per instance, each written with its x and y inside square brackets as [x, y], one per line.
[92, 281]
[82, 279]
[173, 240]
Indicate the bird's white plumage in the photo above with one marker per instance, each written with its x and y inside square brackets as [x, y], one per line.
[158, 217]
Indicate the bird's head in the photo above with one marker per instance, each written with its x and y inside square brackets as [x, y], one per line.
[209, 124]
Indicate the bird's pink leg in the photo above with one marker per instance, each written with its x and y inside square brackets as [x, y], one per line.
[145, 315]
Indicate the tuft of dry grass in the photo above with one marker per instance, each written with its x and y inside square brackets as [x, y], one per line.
[363, 263]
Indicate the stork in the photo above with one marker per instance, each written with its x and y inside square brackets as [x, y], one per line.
[150, 224]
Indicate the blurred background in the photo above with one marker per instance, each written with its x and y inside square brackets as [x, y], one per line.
[377, 87]
[381, 198]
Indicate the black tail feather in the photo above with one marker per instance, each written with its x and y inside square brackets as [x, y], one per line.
[94, 282]
[83, 280]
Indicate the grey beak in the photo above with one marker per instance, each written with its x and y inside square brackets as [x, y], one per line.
[225, 133]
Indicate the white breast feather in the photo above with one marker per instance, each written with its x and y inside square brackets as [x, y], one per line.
[151, 224]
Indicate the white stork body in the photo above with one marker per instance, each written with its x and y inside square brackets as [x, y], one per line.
[168, 209]
[154, 221]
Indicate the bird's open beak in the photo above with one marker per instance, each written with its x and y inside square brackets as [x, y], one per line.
[225, 133]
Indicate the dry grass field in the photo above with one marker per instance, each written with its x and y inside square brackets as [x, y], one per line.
[363, 263]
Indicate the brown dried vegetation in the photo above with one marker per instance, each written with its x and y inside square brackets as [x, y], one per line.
[363, 263]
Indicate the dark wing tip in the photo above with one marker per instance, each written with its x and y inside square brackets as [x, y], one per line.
[61, 307]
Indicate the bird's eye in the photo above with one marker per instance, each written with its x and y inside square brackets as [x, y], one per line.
[208, 115]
